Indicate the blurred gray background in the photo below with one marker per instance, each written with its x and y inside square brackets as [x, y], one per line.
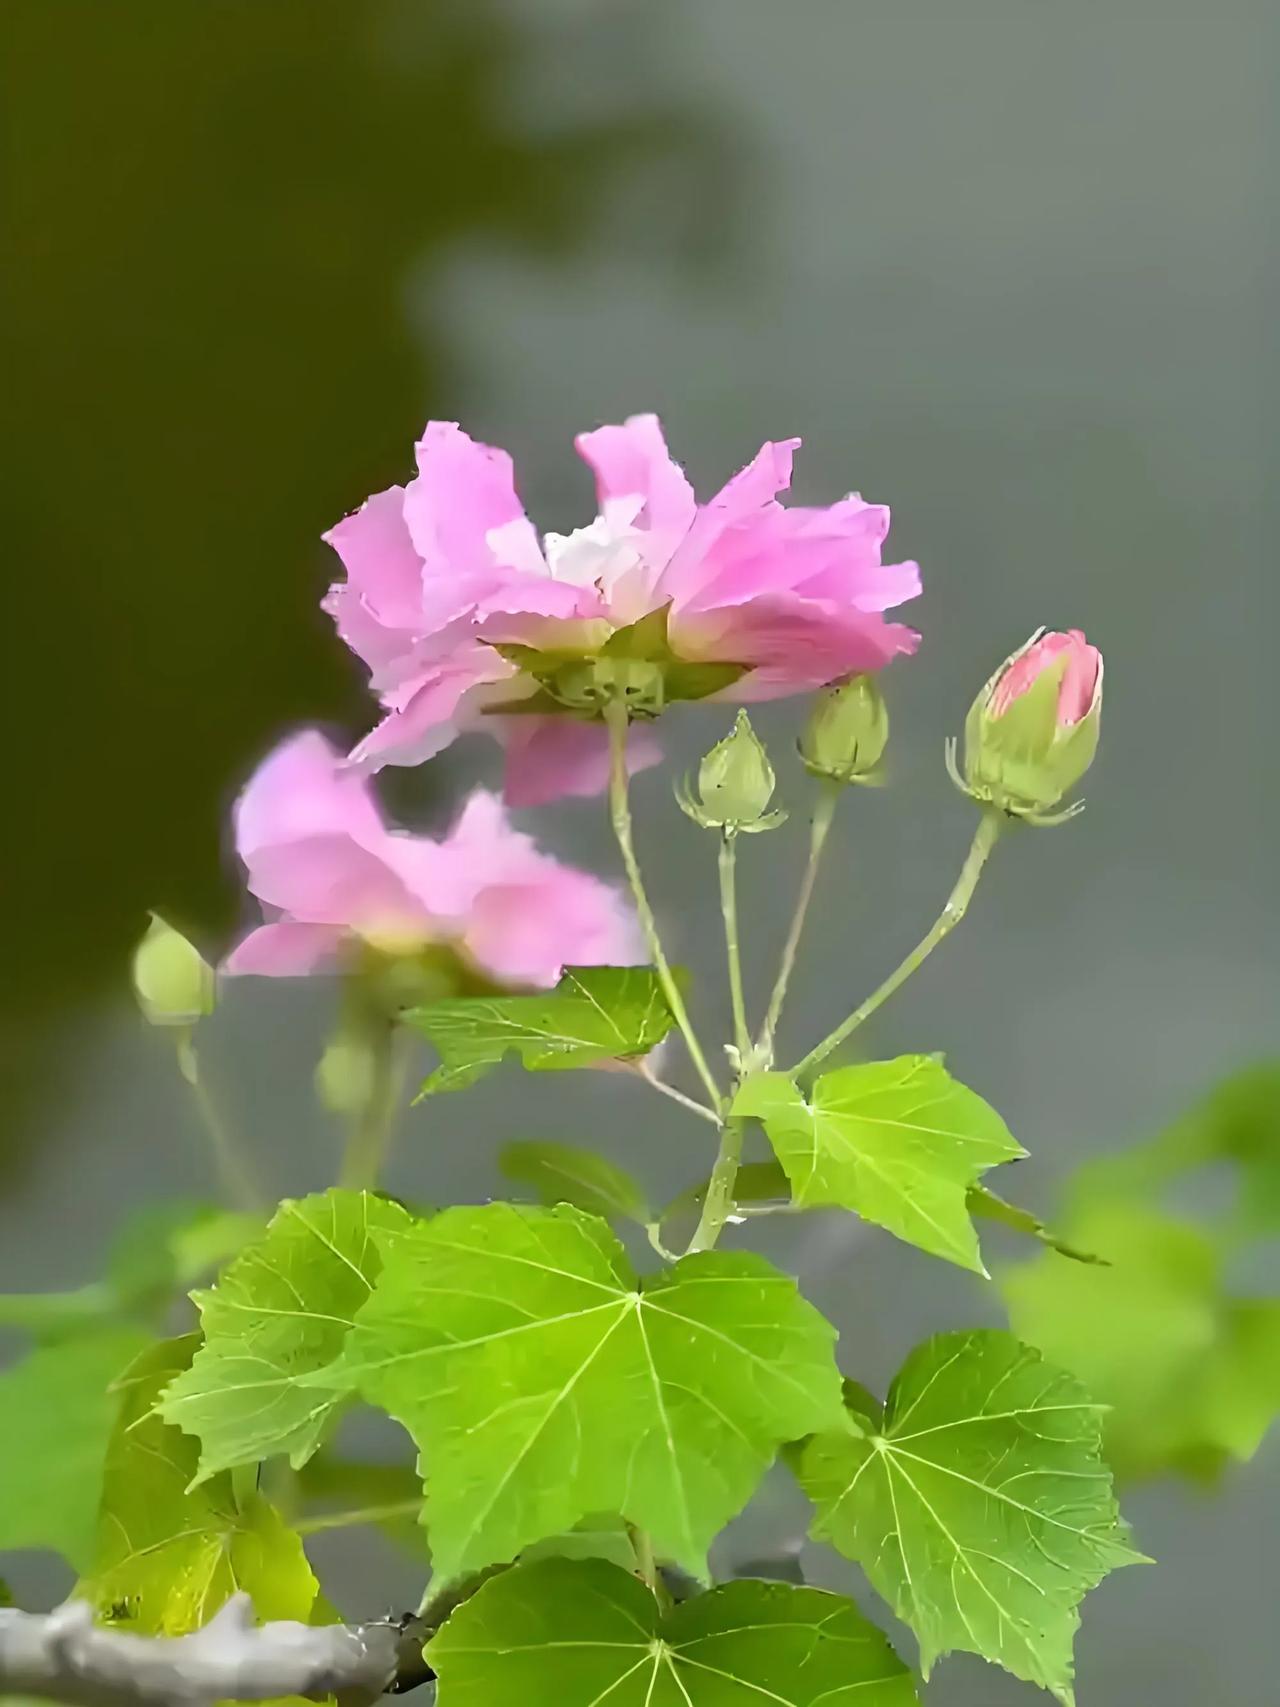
[1008, 268]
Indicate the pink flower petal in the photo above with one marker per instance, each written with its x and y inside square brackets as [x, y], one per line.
[795, 644]
[286, 951]
[465, 492]
[632, 461]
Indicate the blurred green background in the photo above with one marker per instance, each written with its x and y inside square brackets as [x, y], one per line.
[1007, 267]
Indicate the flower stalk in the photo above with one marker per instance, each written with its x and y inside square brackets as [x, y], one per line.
[985, 837]
[616, 719]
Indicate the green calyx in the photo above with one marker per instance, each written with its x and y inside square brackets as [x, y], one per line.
[634, 664]
[847, 732]
[1025, 761]
[735, 785]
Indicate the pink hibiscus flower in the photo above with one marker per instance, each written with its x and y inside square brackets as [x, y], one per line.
[332, 877]
[466, 619]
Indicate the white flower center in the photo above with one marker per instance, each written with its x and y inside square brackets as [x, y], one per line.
[608, 554]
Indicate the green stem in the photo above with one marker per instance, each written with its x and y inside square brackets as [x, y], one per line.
[642, 1541]
[729, 910]
[823, 813]
[370, 1137]
[363, 1514]
[718, 1204]
[236, 1176]
[985, 837]
[660, 1085]
[620, 812]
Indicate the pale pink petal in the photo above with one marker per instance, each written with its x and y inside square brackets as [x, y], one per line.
[526, 933]
[794, 644]
[551, 757]
[383, 568]
[286, 950]
[632, 461]
[425, 715]
[463, 494]
[752, 490]
[301, 790]
[313, 842]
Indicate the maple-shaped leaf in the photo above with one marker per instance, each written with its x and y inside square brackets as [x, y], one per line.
[899, 1142]
[543, 1382]
[594, 1014]
[280, 1311]
[570, 1633]
[977, 1502]
[169, 1554]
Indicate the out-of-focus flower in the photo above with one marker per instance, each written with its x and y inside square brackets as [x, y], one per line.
[172, 980]
[847, 732]
[1032, 732]
[735, 785]
[467, 619]
[339, 888]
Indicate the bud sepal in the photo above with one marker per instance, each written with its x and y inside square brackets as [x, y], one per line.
[734, 786]
[847, 733]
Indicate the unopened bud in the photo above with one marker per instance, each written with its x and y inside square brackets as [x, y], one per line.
[172, 980]
[345, 1074]
[1032, 732]
[735, 785]
[847, 732]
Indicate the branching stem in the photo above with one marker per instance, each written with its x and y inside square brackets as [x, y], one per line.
[985, 837]
[237, 1178]
[823, 813]
[620, 812]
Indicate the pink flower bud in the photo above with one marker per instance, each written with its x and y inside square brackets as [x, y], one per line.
[1032, 732]
[1079, 681]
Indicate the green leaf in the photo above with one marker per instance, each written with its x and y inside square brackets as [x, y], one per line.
[561, 1173]
[1191, 1374]
[56, 1410]
[979, 1506]
[595, 1013]
[606, 1538]
[543, 1383]
[987, 1206]
[565, 1633]
[898, 1142]
[171, 1553]
[280, 1312]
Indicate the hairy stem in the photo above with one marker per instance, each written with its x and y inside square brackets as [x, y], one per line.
[823, 813]
[620, 812]
[985, 837]
[729, 911]
[237, 1178]
[363, 1514]
[717, 1206]
[642, 1541]
[370, 1137]
[691, 1103]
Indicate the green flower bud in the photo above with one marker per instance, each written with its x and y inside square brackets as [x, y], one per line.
[344, 1075]
[1032, 732]
[847, 732]
[172, 980]
[735, 785]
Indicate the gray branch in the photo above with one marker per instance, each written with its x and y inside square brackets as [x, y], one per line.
[64, 1656]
